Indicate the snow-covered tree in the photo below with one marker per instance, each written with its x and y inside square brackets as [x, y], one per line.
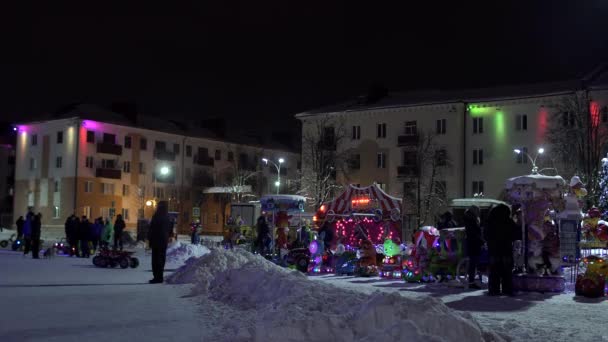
[603, 186]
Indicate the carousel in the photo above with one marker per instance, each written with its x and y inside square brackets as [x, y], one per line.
[366, 222]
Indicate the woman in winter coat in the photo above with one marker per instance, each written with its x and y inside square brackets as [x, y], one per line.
[474, 242]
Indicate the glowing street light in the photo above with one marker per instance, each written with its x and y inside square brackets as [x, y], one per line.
[278, 167]
[149, 203]
[164, 170]
[532, 160]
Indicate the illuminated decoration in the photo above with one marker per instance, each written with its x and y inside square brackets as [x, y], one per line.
[500, 130]
[391, 248]
[594, 110]
[360, 202]
[322, 208]
[313, 247]
[478, 110]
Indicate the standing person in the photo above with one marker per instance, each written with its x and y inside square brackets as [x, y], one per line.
[20, 222]
[35, 237]
[107, 234]
[500, 233]
[96, 229]
[119, 227]
[84, 235]
[446, 221]
[161, 228]
[474, 242]
[27, 232]
[71, 231]
[263, 232]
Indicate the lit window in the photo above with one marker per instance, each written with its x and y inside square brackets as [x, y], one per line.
[56, 212]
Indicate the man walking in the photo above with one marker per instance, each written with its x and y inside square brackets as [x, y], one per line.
[161, 227]
[119, 226]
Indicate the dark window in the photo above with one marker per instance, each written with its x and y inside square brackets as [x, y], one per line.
[230, 156]
[356, 132]
[381, 160]
[410, 158]
[409, 190]
[60, 137]
[34, 139]
[176, 148]
[90, 136]
[477, 187]
[143, 144]
[109, 138]
[477, 125]
[354, 162]
[188, 151]
[218, 155]
[381, 130]
[410, 128]
[521, 122]
[329, 137]
[605, 114]
[441, 126]
[568, 119]
[127, 142]
[478, 157]
[159, 145]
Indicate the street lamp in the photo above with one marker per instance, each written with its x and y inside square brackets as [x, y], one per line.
[164, 170]
[532, 160]
[278, 167]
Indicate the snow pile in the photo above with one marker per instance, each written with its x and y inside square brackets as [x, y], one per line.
[201, 271]
[285, 305]
[179, 252]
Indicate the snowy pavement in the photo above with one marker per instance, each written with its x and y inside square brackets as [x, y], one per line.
[68, 299]
[235, 296]
[525, 317]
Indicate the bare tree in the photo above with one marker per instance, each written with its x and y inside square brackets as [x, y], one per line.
[322, 158]
[427, 163]
[578, 140]
[243, 171]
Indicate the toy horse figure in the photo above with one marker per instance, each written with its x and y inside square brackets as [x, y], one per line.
[367, 264]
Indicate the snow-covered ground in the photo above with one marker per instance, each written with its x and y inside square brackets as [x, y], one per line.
[236, 296]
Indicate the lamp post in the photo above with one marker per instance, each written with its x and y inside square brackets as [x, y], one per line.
[533, 160]
[278, 167]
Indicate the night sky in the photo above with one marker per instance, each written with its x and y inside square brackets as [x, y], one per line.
[267, 60]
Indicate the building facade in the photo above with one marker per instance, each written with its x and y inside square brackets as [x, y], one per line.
[474, 135]
[101, 169]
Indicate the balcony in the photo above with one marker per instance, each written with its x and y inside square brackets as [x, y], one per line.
[203, 160]
[407, 171]
[164, 155]
[407, 140]
[108, 173]
[109, 148]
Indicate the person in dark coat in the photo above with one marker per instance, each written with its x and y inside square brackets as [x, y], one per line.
[84, 235]
[20, 222]
[96, 229]
[446, 221]
[474, 242]
[35, 237]
[27, 232]
[263, 237]
[71, 232]
[161, 228]
[119, 227]
[500, 233]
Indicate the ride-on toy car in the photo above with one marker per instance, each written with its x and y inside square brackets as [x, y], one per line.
[111, 258]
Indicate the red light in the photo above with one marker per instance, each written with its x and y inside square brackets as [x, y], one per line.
[594, 109]
[360, 201]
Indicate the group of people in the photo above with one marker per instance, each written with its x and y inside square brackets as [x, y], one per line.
[500, 231]
[29, 231]
[80, 232]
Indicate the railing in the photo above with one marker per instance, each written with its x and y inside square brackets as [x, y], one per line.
[109, 148]
[164, 155]
[407, 140]
[108, 173]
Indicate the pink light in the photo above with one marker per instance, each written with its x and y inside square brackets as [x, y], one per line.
[594, 109]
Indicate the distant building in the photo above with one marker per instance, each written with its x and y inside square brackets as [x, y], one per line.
[100, 164]
[476, 130]
[7, 183]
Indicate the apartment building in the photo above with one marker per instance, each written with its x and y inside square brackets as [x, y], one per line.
[476, 131]
[100, 164]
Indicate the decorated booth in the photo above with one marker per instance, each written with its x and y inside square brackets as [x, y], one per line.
[363, 220]
[279, 209]
[539, 198]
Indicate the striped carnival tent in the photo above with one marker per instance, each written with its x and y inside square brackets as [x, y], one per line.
[370, 201]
